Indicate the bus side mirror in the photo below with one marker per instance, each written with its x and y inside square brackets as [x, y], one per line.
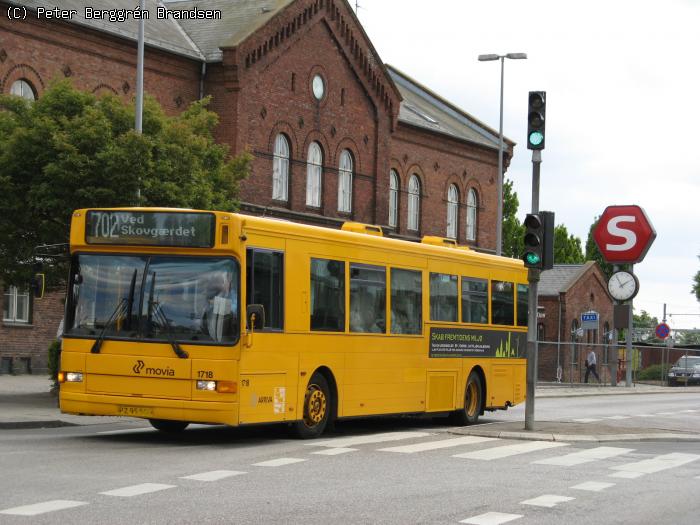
[38, 284]
[255, 313]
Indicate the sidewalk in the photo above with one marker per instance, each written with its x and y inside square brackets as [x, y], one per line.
[26, 401]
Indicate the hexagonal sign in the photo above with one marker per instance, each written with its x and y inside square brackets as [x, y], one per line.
[624, 234]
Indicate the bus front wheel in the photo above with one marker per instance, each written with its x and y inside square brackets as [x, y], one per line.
[169, 427]
[469, 415]
[317, 409]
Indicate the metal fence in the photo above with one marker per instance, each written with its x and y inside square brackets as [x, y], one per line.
[565, 362]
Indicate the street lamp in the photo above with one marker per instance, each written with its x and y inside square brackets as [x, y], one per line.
[499, 212]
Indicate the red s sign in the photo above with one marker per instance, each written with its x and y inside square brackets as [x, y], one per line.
[624, 234]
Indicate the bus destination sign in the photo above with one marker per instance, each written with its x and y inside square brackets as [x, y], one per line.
[149, 228]
[459, 342]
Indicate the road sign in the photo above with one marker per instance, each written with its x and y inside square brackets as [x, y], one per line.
[662, 330]
[589, 320]
[624, 234]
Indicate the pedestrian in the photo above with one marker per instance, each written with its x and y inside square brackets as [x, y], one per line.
[591, 366]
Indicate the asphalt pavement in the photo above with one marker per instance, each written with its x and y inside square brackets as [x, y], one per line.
[27, 401]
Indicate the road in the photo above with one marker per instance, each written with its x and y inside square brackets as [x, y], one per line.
[390, 470]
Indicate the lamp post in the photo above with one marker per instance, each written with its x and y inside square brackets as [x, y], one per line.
[499, 208]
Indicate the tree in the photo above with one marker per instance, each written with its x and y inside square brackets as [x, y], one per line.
[70, 150]
[567, 248]
[513, 229]
[593, 253]
[696, 285]
[644, 320]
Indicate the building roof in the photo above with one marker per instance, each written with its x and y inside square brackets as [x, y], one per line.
[423, 108]
[164, 34]
[560, 278]
[239, 19]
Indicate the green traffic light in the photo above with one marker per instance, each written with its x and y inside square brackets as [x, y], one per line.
[532, 258]
[536, 138]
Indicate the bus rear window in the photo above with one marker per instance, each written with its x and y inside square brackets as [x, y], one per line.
[443, 297]
[327, 295]
[502, 305]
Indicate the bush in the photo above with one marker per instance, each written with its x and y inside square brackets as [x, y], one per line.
[54, 361]
[653, 373]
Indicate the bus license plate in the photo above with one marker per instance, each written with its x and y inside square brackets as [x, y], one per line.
[124, 410]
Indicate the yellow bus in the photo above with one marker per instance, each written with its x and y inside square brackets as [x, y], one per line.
[180, 316]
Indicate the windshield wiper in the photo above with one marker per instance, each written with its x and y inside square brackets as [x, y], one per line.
[119, 310]
[154, 307]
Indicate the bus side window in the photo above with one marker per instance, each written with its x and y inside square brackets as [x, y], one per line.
[443, 297]
[406, 301]
[502, 303]
[327, 295]
[367, 298]
[522, 304]
[265, 284]
[475, 300]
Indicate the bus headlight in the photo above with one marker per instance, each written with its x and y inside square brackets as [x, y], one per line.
[222, 387]
[206, 385]
[70, 377]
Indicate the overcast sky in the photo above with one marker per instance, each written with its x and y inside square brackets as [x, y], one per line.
[623, 87]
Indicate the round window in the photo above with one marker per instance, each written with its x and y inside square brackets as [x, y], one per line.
[318, 87]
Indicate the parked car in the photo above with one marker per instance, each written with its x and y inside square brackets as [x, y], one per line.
[685, 371]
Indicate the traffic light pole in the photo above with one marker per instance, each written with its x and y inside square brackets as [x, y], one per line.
[533, 278]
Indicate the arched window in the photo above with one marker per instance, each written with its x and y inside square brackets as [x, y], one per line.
[313, 175]
[413, 203]
[280, 169]
[345, 182]
[22, 88]
[471, 214]
[393, 199]
[452, 200]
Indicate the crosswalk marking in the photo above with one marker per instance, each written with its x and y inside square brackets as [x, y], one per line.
[666, 413]
[278, 462]
[510, 450]
[368, 439]
[214, 475]
[657, 464]
[137, 490]
[593, 486]
[435, 445]
[41, 508]
[627, 475]
[585, 456]
[587, 420]
[334, 451]
[492, 518]
[548, 500]
[617, 417]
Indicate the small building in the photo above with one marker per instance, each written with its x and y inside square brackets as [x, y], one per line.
[565, 293]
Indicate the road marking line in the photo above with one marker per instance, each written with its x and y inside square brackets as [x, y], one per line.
[584, 456]
[688, 411]
[645, 415]
[666, 413]
[587, 420]
[278, 462]
[492, 518]
[657, 464]
[435, 445]
[548, 500]
[41, 508]
[334, 451]
[137, 490]
[510, 450]
[593, 486]
[364, 440]
[617, 417]
[627, 475]
[127, 431]
[214, 475]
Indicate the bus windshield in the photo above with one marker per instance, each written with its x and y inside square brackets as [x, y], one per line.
[158, 298]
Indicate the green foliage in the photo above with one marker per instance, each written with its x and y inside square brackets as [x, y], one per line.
[593, 253]
[653, 373]
[54, 361]
[567, 248]
[696, 285]
[644, 320]
[513, 229]
[70, 150]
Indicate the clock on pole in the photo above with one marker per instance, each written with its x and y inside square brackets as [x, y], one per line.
[623, 285]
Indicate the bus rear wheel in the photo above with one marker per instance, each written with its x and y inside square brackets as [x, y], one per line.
[167, 426]
[317, 409]
[473, 394]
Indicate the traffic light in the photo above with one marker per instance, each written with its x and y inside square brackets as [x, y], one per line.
[536, 106]
[534, 235]
[547, 218]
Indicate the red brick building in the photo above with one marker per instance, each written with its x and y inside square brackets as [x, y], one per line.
[336, 134]
[564, 293]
